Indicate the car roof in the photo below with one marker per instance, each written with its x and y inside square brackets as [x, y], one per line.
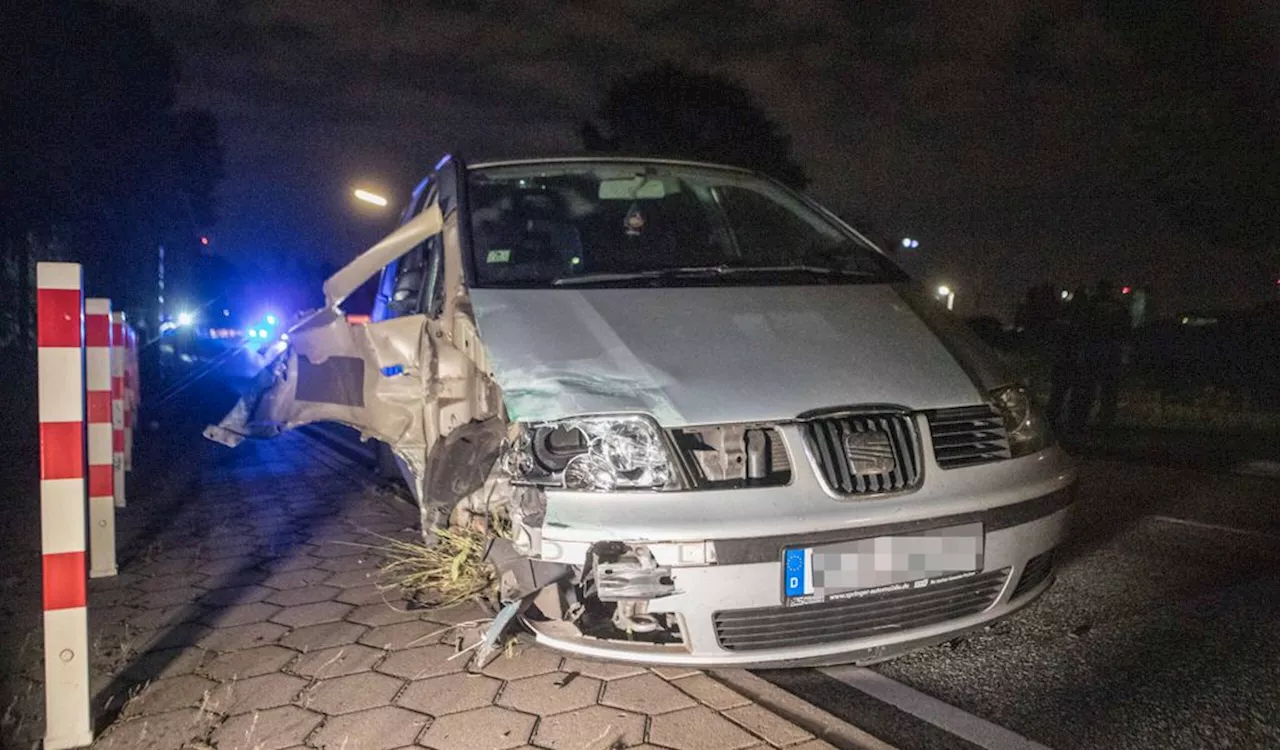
[598, 158]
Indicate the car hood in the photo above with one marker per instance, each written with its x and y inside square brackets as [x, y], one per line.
[705, 355]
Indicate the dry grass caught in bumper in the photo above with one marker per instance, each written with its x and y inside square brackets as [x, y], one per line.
[449, 572]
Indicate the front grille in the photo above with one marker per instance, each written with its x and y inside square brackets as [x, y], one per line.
[968, 435]
[847, 619]
[1037, 569]
[888, 460]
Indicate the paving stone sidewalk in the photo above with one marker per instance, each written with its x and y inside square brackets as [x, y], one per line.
[249, 615]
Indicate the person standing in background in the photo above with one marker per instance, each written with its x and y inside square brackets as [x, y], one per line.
[1065, 377]
[1100, 364]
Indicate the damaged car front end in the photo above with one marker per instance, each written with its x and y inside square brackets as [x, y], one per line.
[718, 426]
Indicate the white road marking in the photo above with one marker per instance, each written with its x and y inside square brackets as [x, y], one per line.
[1257, 469]
[945, 716]
[1215, 527]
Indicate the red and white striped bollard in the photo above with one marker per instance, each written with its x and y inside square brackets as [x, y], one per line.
[130, 391]
[118, 358]
[60, 336]
[102, 508]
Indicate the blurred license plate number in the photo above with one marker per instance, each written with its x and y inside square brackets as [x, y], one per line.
[850, 570]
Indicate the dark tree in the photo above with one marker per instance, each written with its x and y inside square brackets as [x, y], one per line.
[195, 160]
[1206, 141]
[671, 111]
[97, 165]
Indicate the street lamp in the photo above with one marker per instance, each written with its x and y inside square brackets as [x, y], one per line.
[949, 294]
[369, 197]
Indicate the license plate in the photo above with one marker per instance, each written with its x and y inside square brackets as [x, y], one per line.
[849, 570]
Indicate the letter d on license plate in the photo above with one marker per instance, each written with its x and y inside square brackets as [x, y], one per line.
[863, 567]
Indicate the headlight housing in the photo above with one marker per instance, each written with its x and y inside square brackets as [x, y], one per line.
[1027, 429]
[595, 454]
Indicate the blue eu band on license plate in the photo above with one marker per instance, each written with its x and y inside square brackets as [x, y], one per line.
[868, 566]
[798, 567]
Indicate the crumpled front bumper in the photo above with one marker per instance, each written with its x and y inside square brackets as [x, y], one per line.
[707, 589]
[725, 552]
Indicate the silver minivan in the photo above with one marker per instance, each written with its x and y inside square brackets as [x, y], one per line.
[723, 428]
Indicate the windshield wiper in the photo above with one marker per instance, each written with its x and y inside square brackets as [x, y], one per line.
[797, 267]
[655, 273]
[606, 277]
[706, 272]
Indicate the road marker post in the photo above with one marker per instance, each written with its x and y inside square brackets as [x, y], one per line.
[118, 356]
[130, 393]
[60, 354]
[102, 508]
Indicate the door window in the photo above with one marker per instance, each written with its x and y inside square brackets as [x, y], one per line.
[417, 281]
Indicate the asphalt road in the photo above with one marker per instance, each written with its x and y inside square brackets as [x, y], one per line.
[1160, 631]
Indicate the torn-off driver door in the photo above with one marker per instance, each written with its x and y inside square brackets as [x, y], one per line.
[372, 377]
[365, 376]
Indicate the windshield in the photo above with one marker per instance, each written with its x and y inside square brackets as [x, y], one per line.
[626, 224]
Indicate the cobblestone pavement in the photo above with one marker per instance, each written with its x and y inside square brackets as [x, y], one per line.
[247, 614]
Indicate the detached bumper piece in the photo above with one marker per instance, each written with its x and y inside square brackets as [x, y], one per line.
[624, 572]
[849, 619]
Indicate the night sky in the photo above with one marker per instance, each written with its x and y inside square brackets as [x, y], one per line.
[1019, 141]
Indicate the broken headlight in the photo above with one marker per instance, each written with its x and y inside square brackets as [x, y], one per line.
[595, 454]
[1028, 432]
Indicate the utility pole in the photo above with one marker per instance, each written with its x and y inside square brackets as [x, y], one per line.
[160, 287]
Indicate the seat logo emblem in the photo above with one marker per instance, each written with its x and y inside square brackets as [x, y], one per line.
[869, 452]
